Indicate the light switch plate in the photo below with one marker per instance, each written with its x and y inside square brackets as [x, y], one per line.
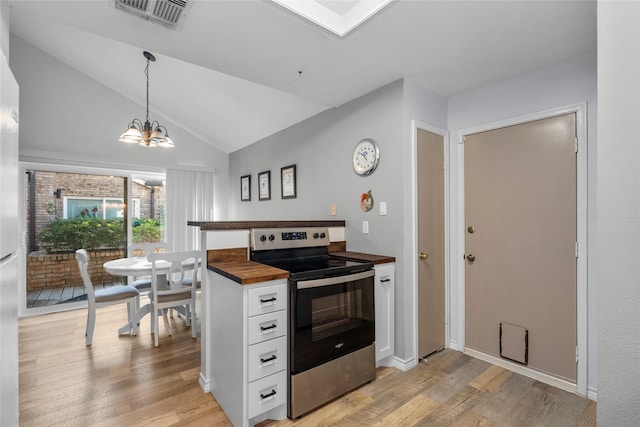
[383, 208]
[333, 209]
[365, 227]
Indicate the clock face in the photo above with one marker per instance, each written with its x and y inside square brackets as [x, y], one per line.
[365, 157]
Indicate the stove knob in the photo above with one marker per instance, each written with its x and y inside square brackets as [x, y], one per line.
[263, 238]
[322, 235]
[316, 235]
[272, 237]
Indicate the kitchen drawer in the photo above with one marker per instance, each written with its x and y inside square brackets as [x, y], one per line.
[267, 299]
[267, 393]
[267, 357]
[267, 326]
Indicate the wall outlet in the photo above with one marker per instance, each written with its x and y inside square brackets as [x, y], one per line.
[365, 227]
[333, 209]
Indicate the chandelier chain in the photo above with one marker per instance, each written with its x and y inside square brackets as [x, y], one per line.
[146, 72]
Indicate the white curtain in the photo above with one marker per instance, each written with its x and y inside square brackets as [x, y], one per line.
[189, 198]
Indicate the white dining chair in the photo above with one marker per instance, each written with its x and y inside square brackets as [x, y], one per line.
[178, 293]
[105, 297]
[143, 283]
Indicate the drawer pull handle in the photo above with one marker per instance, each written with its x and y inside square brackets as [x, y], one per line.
[385, 280]
[268, 359]
[265, 396]
[266, 328]
[264, 301]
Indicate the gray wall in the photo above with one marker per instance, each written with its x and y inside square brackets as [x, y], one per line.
[67, 117]
[618, 229]
[321, 148]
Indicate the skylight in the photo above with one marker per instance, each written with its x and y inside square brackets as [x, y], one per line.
[339, 17]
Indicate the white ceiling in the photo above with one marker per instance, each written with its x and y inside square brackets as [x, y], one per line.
[231, 74]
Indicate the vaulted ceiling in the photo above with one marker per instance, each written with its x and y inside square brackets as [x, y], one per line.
[238, 71]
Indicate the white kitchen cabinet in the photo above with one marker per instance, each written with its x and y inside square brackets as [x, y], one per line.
[385, 313]
[248, 333]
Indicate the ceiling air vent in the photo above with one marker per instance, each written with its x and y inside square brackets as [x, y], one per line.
[170, 13]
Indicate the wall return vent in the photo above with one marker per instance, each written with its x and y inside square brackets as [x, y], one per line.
[170, 13]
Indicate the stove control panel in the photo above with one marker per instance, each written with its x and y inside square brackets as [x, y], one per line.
[286, 238]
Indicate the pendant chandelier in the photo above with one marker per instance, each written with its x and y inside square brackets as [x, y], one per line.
[149, 134]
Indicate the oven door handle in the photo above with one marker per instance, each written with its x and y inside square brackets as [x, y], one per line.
[316, 283]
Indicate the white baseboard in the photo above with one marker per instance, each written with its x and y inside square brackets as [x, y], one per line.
[523, 370]
[404, 364]
[205, 385]
[453, 345]
[592, 393]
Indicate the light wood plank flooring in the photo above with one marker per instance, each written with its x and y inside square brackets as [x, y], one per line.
[125, 381]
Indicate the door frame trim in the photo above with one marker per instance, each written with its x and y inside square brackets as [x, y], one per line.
[412, 259]
[580, 109]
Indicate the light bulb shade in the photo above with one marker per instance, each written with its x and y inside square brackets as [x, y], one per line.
[166, 142]
[148, 143]
[131, 136]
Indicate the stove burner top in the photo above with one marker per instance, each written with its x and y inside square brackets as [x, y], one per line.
[299, 268]
[303, 252]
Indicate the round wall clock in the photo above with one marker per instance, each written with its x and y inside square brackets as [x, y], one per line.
[366, 156]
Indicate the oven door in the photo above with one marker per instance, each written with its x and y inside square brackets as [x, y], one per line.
[330, 317]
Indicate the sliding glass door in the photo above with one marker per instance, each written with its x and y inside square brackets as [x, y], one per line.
[67, 209]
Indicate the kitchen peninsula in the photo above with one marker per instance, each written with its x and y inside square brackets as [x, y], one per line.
[245, 314]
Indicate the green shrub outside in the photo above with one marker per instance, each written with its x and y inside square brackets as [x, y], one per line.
[68, 235]
[146, 230]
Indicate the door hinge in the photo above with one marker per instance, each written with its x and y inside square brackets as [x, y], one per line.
[462, 140]
[576, 249]
[576, 144]
[577, 354]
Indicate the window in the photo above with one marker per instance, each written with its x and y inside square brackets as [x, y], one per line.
[105, 208]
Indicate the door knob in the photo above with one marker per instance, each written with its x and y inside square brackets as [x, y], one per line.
[423, 256]
[471, 257]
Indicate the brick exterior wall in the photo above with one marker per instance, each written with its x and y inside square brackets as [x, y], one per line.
[59, 270]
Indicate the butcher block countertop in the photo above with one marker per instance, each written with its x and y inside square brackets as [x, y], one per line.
[247, 225]
[375, 259]
[248, 272]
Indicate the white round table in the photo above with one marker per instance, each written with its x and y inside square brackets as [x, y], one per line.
[137, 266]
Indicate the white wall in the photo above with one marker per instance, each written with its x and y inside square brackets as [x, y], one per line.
[618, 222]
[67, 117]
[4, 28]
[557, 86]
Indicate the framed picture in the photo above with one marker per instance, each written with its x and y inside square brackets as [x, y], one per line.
[288, 182]
[245, 188]
[264, 185]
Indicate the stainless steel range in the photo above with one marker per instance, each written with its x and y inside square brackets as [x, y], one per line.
[331, 314]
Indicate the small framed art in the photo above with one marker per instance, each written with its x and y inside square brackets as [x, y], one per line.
[288, 182]
[245, 188]
[264, 185]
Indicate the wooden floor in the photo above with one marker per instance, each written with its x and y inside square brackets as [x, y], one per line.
[125, 381]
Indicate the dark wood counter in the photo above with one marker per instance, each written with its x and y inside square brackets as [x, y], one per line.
[246, 225]
[375, 259]
[247, 272]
